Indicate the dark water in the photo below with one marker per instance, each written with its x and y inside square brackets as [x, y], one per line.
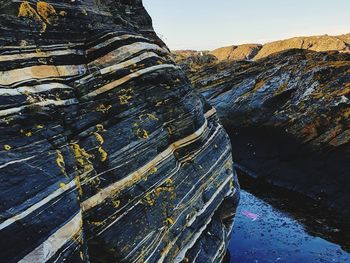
[276, 236]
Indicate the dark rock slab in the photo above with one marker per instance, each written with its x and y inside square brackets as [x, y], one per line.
[288, 117]
[107, 154]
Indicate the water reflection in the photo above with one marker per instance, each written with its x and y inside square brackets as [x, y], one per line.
[266, 234]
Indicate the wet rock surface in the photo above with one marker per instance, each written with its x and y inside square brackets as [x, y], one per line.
[278, 235]
[288, 119]
[107, 154]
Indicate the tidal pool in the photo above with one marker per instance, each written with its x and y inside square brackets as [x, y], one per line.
[265, 234]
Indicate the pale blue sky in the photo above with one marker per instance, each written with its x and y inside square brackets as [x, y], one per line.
[208, 24]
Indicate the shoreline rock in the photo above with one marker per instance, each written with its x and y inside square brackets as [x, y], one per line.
[288, 119]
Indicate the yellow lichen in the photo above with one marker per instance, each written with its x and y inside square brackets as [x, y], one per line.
[63, 186]
[168, 181]
[124, 99]
[148, 200]
[347, 113]
[78, 185]
[169, 221]
[81, 157]
[63, 13]
[116, 203]
[39, 126]
[60, 162]
[228, 165]
[125, 95]
[7, 147]
[142, 134]
[25, 10]
[148, 115]
[104, 109]
[103, 154]
[231, 183]
[153, 170]
[96, 223]
[100, 128]
[170, 130]
[99, 138]
[46, 11]
[26, 133]
[165, 188]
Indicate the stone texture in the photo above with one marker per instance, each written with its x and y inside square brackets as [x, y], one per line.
[240, 52]
[339, 43]
[190, 60]
[107, 154]
[288, 117]
[315, 43]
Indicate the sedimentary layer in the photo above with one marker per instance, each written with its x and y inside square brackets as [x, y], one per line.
[107, 154]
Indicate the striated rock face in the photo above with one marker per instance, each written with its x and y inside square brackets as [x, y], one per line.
[288, 116]
[107, 154]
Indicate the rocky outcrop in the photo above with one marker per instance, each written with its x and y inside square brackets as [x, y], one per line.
[107, 154]
[339, 43]
[314, 43]
[288, 117]
[345, 38]
[193, 60]
[240, 52]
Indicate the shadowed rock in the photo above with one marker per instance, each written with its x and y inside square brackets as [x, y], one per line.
[107, 154]
[288, 116]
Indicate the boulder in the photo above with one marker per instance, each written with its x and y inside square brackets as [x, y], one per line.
[106, 152]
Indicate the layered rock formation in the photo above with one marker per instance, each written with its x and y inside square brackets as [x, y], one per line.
[288, 116]
[107, 154]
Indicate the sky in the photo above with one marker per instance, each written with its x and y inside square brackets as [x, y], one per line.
[209, 24]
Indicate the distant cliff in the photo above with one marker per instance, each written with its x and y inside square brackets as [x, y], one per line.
[339, 43]
[288, 116]
[314, 43]
[106, 152]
